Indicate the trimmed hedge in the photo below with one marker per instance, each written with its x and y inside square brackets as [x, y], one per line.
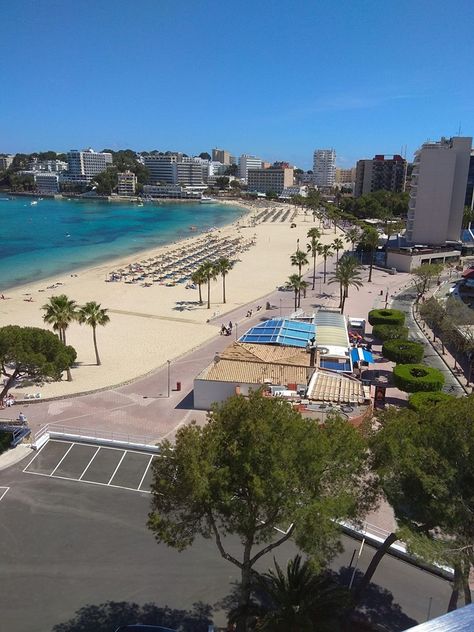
[413, 378]
[389, 332]
[421, 400]
[387, 317]
[403, 351]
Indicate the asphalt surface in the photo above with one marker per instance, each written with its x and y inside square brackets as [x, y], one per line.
[404, 302]
[66, 544]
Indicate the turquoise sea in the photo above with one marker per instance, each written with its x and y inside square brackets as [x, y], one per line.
[54, 236]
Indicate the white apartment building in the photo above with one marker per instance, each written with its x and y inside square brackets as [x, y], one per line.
[52, 166]
[247, 162]
[160, 168]
[175, 169]
[127, 183]
[437, 193]
[188, 173]
[170, 191]
[84, 165]
[5, 161]
[289, 192]
[324, 167]
[46, 182]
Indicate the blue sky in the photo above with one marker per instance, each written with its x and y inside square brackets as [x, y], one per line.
[275, 79]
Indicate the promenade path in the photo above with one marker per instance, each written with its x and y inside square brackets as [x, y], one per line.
[143, 409]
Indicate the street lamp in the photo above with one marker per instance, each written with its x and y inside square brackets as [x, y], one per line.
[236, 330]
[169, 382]
[280, 308]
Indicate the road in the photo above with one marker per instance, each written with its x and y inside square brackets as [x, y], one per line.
[67, 545]
[404, 302]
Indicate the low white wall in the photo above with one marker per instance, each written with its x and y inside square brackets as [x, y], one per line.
[206, 392]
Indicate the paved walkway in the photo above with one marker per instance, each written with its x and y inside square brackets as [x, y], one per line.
[143, 407]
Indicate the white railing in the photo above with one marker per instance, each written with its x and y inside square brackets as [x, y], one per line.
[94, 435]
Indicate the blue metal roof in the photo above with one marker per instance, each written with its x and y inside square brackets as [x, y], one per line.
[281, 331]
[461, 620]
[361, 355]
[467, 235]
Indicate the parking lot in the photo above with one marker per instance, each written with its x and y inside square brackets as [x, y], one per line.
[95, 465]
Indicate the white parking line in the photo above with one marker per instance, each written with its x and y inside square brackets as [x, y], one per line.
[62, 459]
[145, 472]
[30, 462]
[80, 479]
[76, 480]
[87, 466]
[4, 492]
[118, 465]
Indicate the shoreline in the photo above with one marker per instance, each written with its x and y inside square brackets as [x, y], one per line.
[140, 253]
[153, 323]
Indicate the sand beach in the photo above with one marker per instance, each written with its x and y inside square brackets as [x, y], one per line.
[151, 322]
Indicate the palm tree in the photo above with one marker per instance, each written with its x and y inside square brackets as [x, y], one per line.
[223, 266]
[59, 312]
[337, 244]
[353, 235]
[314, 234]
[198, 279]
[296, 283]
[370, 240]
[299, 259]
[94, 315]
[346, 274]
[391, 227]
[301, 600]
[325, 251]
[210, 273]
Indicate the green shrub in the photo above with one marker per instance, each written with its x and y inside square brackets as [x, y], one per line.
[389, 332]
[421, 400]
[403, 351]
[387, 317]
[5, 441]
[412, 378]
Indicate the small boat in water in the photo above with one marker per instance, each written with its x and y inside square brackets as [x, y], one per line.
[206, 200]
[33, 203]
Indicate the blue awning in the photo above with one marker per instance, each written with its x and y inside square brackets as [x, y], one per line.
[362, 355]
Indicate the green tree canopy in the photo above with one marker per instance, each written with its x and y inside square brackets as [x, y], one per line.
[32, 353]
[222, 182]
[257, 465]
[424, 461]
[424, 275]
[106, 181]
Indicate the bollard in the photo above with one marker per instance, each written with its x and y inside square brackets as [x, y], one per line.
[178, 386]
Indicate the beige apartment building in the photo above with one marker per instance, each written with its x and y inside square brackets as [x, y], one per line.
[127, 183]
[437, 193]
[221, 155]
[345, 176]
[273, 180]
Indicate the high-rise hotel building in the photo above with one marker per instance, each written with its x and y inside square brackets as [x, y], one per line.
[438, 190]
[324, 167]
[84, 165]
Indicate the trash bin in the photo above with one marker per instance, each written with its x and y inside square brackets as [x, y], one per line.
[393, 271]
[178, 386]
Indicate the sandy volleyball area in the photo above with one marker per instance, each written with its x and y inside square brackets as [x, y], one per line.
[150, 325]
